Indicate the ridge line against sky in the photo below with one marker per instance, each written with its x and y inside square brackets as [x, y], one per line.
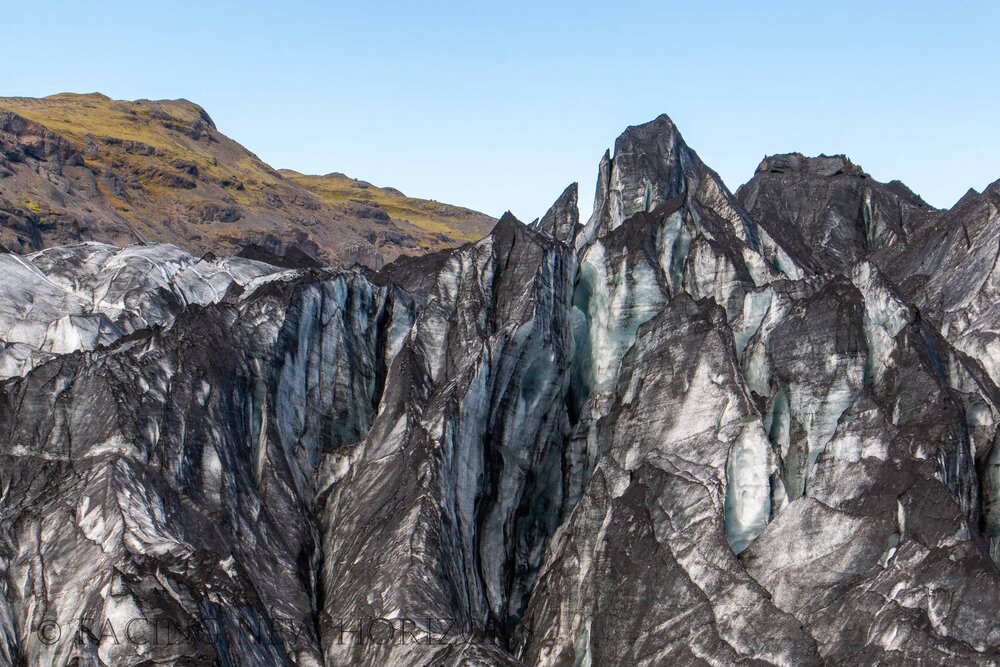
[499, 108]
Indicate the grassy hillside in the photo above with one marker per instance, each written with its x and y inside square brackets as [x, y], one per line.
[160, 170]
[429, 215]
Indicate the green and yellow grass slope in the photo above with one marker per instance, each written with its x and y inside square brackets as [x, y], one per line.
[161, 171]
[429, 215]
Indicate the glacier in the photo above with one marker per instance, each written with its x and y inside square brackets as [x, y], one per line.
[701, 427]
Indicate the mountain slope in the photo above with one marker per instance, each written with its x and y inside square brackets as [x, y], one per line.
[443, 222]
[85, 167]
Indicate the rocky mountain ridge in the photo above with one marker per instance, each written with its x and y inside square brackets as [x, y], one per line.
[87, 168]
[700, 428]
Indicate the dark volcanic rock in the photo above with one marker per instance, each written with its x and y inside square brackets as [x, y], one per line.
[21, 138]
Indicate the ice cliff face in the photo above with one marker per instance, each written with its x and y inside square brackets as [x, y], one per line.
[827, 211]
[699, 428]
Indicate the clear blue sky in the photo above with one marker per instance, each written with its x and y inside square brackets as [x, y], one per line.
[501, 105]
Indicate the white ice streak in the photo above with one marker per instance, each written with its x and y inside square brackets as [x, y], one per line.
[84, 296]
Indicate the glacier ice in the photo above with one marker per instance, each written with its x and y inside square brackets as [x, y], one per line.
[701, 428]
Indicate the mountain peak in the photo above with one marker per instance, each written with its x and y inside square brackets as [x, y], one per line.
[508, 219]
[659, 126]
[650, 164]
[561, 220]
[659, 138]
